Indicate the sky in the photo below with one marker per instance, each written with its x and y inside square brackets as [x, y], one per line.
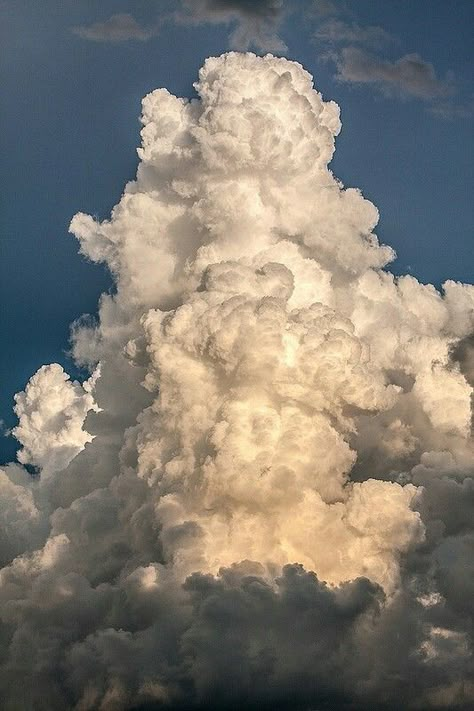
[240, 465]
[69, 127]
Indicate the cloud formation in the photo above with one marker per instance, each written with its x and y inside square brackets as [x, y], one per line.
[276, 438]
[51, 413]
[256, 21]
[335, 31]
[409, 75]
[350, 47]
[122, 27]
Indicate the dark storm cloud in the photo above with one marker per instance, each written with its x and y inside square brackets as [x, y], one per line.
[235, 641]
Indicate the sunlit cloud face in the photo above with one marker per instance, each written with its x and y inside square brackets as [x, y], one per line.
[274, 438]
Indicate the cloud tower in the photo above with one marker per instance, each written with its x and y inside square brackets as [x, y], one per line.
[263, 495]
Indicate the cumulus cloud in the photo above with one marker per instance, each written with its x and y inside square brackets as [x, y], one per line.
[276, 437]
[121, 27]
[51, 413]
[409, 75]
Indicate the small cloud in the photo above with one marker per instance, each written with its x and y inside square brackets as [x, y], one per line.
[450, 111]
[118, 28]
[325, 8]
[408, 76]
[336, 31]
[257, 21]
[269, 10]
[348, 45]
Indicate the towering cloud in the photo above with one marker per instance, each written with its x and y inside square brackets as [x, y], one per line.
[262, 498]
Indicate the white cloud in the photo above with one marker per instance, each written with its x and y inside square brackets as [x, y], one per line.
[279, 436]
[51, 413]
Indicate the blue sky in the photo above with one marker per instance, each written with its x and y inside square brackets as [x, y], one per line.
[74, 72]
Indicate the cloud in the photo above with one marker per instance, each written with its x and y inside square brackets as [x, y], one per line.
[257, 21]
[51, 413]
[337, 31]
[278, 438]
[326, 8]
[349, 46]
[265, 9]
[408, 76]
[450, 110]
[121, 27]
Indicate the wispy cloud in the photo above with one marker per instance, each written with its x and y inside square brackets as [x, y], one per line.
[449, 110]
[409, 75]
[326, 8]
[265, 9]
[256, 21]
[118, 28]
[356, 52]
[337, 31]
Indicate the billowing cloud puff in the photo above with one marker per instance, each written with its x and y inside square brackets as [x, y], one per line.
[51, 413]
[263, 496]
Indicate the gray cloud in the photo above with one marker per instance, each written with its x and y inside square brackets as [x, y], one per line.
[337, 31]
[450, 110]
[257, 21]
[349, 46]
[122, 27]
[409, 76]
[326, 8]
[269, 10]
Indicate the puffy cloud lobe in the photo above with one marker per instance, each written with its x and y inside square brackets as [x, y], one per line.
[51, 413]
[22, 525]
[261, 438]
[268, 398]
